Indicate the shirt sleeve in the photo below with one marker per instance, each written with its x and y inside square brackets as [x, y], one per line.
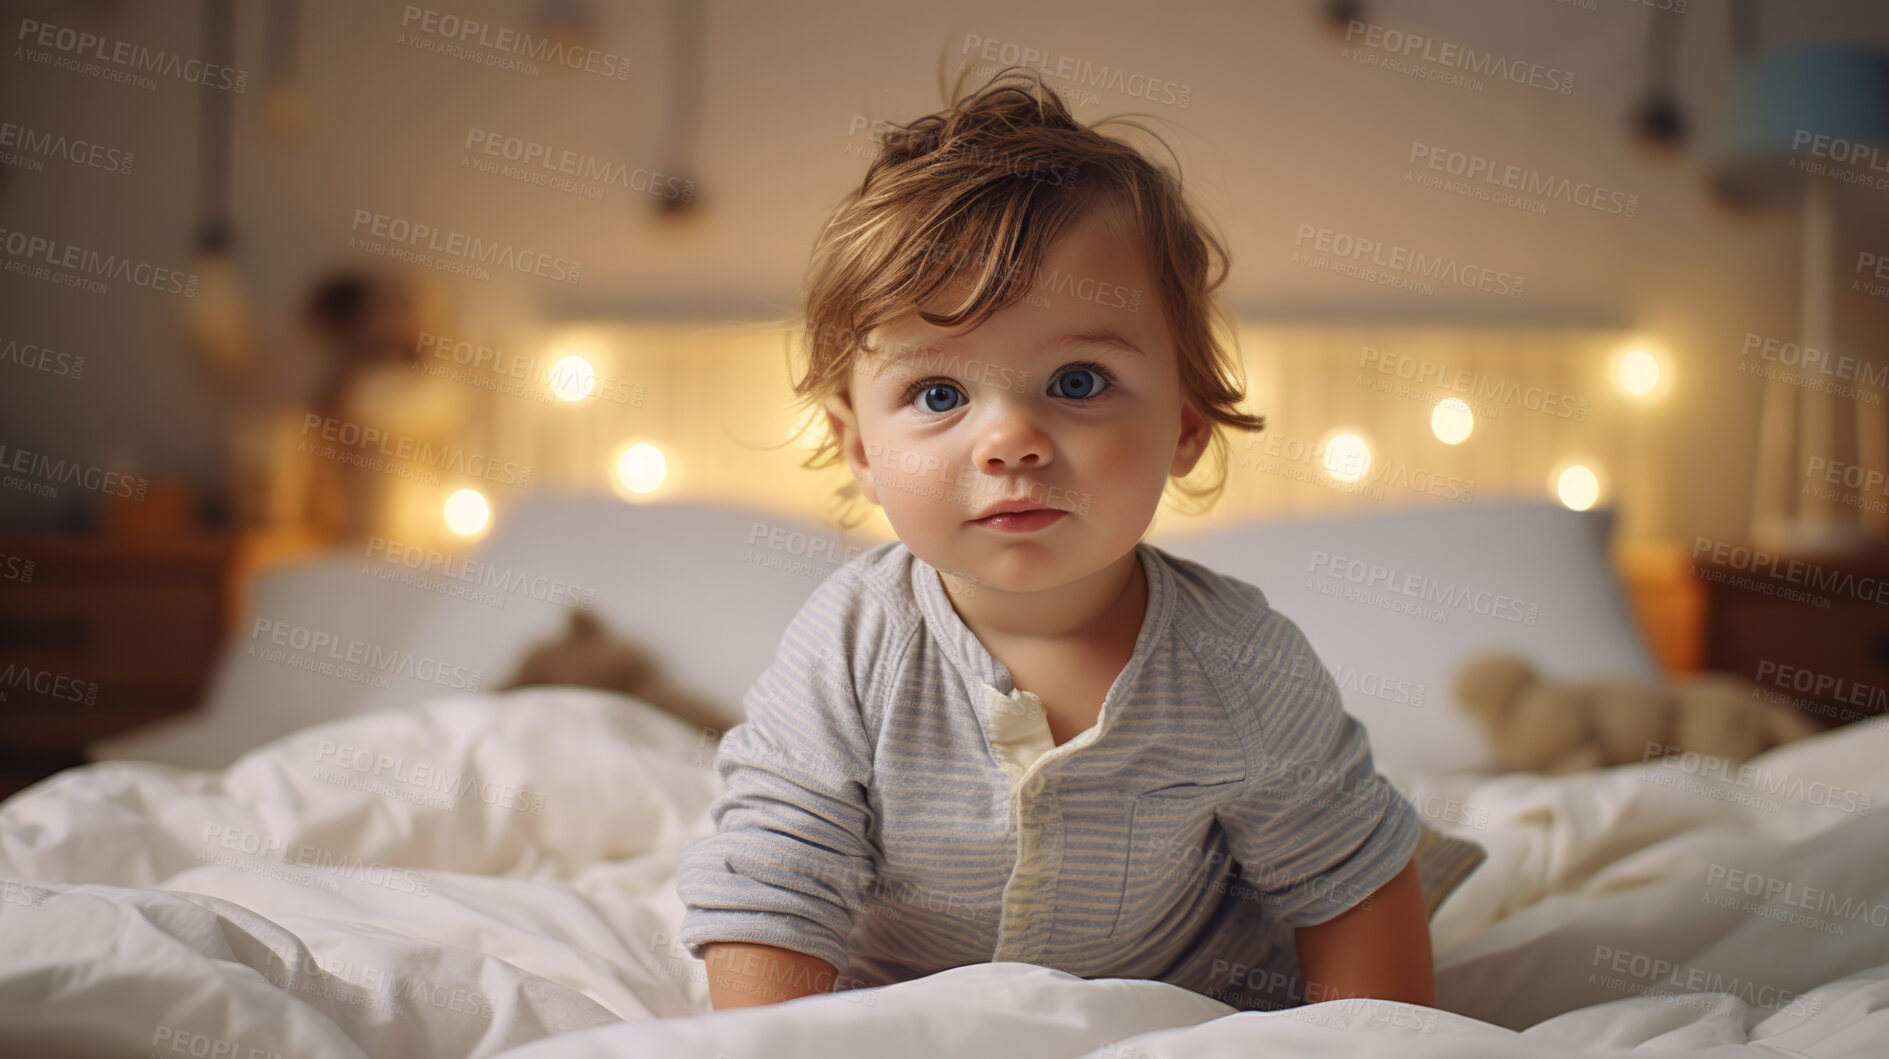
[1317, 830]
[790, 853]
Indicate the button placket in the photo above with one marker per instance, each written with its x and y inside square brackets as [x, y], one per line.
[1030, 896]
[1020, 739]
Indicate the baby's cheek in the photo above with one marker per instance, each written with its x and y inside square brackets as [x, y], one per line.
[1136, 457]
[1123, 480]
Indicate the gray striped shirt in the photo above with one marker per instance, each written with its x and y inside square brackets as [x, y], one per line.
[895, 806]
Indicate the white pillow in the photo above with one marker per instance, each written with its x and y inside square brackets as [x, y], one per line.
[707, 589]
[1527, 576]
[254, 694]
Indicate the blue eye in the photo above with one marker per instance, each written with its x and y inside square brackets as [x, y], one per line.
[1088, 383]
[939, 391]
[1082, 382]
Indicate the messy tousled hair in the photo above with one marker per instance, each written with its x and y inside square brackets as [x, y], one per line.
[971, 198]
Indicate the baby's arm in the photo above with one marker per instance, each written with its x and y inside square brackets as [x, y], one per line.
[770, 897]
[747, 974]
[1379, 947]
[1327, 844]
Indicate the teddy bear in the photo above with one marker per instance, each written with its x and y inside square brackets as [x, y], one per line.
[1560, 727]
[589, 655]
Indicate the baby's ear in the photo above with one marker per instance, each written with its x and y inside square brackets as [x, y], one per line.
[1196, 433]
[844, 423]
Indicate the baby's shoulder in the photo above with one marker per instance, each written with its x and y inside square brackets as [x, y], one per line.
[857, 615]
[1220, 616]
[1257, 655]
[872, 589]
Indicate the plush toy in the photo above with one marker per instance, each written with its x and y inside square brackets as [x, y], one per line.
[588, 655]
[1535, 726]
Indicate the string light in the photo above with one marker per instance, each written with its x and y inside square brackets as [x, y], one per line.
[467, 512]
[1577, 486]
[1347, 457]
[1637, 373]
[1452, 421]
[640, 469]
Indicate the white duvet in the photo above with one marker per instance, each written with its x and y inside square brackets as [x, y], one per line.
[493, 874]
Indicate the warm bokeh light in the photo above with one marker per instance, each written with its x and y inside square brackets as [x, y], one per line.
[641, 468]
[1577, 487]
[573, 378]
[1347, 457]
[1637, 373]
[467, 512]
[578, 355]
[1452, 421]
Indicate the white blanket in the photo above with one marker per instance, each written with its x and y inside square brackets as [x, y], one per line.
[479, 874]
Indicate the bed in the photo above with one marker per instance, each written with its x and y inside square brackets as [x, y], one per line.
[314, 865]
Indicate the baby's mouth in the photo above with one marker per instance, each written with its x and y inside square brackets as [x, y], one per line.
[1021, 521]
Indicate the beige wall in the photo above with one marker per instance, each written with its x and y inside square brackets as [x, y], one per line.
[1280, 130]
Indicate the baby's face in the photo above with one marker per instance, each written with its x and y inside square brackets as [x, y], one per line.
[1069, 398]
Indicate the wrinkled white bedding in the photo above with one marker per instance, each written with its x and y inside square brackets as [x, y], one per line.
[481, 873]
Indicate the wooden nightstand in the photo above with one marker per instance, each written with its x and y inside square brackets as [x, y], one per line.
[98, 635]
[1811, 631]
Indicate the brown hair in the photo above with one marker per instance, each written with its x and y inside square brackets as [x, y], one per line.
[983, 188]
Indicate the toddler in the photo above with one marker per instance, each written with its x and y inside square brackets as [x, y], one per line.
[1020, 732]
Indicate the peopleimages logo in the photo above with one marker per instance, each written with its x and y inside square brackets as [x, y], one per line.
[1402, 263]
[1347, 472]
[423, 776]
[1848, 475]
[131, 57]
[33, 357]
[1520, 179]
[1053, 171]
[1078, 71]
[45, 474]
[1796, 894]
[1759, 778]
[413, 453]
[1414, 46]
[1426, 588]
[349, 658]
[1474, 385]
[34, 254]
[1790, 571]
[1842, 151]
[501, 371]
[1872, 699]
[34, 144]
[1641, 974]
[1813, 368]
[566, 162]
[16, 568]
[49, 684]
[455, 30]
[422, 560]
[975, 263]
[411, 238]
